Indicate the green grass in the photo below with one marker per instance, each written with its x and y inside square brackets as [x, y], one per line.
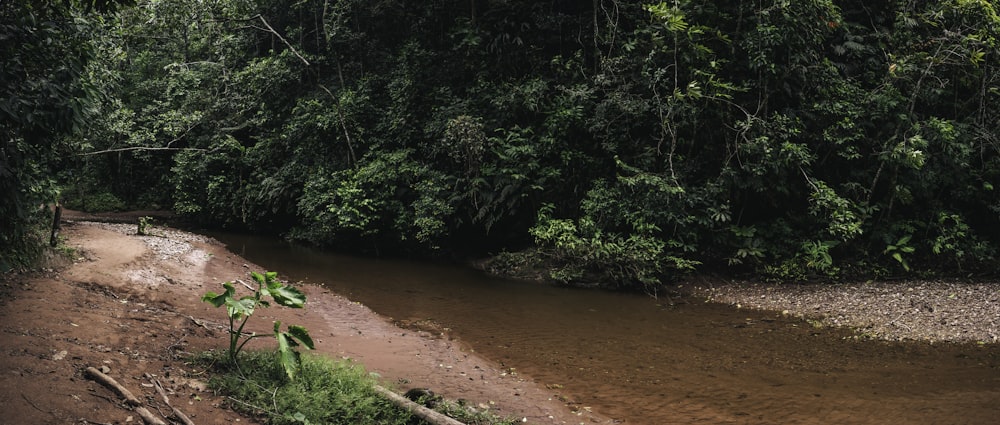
[324, 392]
[469, 416]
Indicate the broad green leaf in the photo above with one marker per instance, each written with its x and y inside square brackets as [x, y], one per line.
[302, 334]
[277, 334]
[271, 280]
[289, 358]
[259, 278]
[218, 300]
[242, 307]
[288, 296]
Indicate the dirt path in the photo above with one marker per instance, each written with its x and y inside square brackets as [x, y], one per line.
[131, 304]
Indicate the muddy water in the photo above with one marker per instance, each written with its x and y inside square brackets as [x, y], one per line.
[643, 361]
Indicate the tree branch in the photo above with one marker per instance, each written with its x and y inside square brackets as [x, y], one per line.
[343, 124]
[290, 47]
[110, 382]
[140, 148]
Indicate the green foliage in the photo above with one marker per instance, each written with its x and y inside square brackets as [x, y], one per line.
[898, 249]
[45, 48]
[471, 416]
[209, 184]
[844, 223]
[99, 202]
[952, 241]
[464, 142]
[799, 139]
[142, 227]
[390, 196]
[326, 392]
[581, 252]
[239, 310]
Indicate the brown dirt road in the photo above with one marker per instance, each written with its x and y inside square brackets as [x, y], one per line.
[131, 304]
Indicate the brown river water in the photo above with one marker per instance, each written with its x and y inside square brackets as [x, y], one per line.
[644, 361]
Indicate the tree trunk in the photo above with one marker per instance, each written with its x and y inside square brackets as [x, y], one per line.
[472, 12]
[56, 218]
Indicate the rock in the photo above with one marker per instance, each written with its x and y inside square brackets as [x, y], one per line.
[423, 396]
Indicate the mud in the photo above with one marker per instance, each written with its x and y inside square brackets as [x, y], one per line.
[131, 304]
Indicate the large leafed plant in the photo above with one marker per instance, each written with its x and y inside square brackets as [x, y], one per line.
[240, 309]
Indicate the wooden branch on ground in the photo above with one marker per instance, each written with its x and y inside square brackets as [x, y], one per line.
[177, 413]
[110, 382]
[245, 285]
[148, 417]
[417, 410]
[130, 399]
[198, 322]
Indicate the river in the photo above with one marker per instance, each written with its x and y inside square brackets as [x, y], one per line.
[648, 361]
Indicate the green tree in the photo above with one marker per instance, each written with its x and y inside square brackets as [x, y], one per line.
[625, 142]
[44, 98]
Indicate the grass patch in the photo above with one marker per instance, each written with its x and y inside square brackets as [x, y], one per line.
[324, 392]
[471, 416]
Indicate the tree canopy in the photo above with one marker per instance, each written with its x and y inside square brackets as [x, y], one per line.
[45, 96]
[617, 142]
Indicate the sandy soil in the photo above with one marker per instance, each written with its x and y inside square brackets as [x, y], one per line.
[131, 305]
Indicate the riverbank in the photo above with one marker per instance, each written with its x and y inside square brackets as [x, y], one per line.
[931, 311]
[131, 304]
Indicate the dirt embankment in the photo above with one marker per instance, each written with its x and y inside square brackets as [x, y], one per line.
[130, 305]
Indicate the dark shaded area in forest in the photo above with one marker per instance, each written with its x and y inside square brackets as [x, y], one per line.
[611, 143]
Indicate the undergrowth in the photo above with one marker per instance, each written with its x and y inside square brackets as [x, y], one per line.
[325, 392]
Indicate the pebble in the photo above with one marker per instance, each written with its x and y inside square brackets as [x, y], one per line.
[936, 311]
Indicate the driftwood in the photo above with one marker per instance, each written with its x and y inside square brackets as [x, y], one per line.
[148, 417]
[130, 399]
[177, 413]
[110, 382]
[417, 410]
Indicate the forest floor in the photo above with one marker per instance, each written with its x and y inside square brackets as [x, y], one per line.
[130, 306]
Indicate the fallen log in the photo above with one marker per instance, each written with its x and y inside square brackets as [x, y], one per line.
[417, 410]
[148, 417]
[110, 382]
[130, 399]
[177, 413]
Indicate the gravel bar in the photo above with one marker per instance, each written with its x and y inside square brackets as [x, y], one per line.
[165, 242]
[934, 311]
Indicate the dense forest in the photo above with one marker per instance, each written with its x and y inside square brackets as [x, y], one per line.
[610, 142]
